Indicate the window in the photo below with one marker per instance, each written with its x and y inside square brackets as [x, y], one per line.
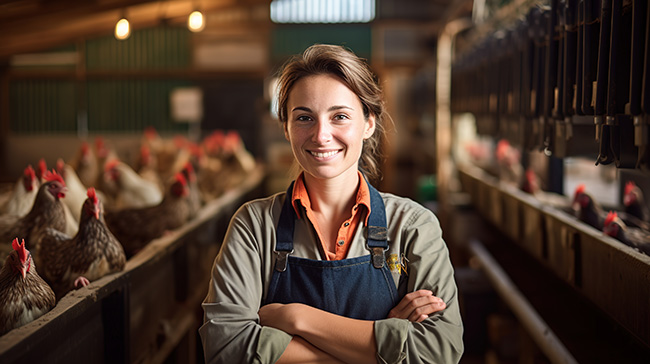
[322, 11]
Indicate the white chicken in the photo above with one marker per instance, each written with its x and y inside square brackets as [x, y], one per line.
[23, 194]
[132, 191]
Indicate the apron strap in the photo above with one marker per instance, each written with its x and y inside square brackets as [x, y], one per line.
[377, 236]
[377, 233]
[284, 232]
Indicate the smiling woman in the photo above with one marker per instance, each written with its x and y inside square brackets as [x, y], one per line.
[332, 270]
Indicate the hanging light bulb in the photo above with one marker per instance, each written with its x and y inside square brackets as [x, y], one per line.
[122, 29]
[195, 21]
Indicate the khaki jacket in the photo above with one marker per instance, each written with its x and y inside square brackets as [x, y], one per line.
[231, 332]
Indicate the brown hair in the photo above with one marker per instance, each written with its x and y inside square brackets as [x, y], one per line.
[356, 74]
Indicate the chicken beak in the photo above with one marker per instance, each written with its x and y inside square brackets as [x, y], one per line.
[96, 212]
[23, 270]
[62, 192]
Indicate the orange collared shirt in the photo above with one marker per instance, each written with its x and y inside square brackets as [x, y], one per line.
[346, 232]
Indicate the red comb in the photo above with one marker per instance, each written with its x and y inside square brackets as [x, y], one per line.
[629, 186]
[110, 164]
[611, 216]
[20, 249]
[180, 141]
[29, 172]
[50, 176]
[92, 195]
[180, 178]
[580, 189]
[502, 146]
[59, 165]
[150, 132]
[42, 167]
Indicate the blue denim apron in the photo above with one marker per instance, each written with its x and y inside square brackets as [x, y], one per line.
[360, 288]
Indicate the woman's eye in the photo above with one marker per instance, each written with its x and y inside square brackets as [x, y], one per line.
[303, 118]
[341, 117]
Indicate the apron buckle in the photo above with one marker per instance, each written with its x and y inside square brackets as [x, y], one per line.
[378, 257]
[281, 260]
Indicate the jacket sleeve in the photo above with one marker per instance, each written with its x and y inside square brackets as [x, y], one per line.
[231, 332]
[439, 338]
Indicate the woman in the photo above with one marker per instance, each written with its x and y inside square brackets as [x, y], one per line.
[332, 271]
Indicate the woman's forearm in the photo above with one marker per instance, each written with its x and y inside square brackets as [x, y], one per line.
[300, 351]
[349, 340]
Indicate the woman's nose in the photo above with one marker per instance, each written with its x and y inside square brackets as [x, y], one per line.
[322, 132]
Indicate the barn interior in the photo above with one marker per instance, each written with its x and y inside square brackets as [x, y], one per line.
[505, 114]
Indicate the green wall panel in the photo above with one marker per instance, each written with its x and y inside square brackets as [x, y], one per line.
[43, 106]
[131, 105]
[151, 49]
[291, 39]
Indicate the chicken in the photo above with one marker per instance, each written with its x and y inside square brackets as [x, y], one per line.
[210, 177]
[194, 199]
[132, 191]
[136, 227]
[76, 194]
[586, 209]
[146, 167]
[24, 295]
[48, 211]
[635, 237]
[556, 200]
[71, 262]
[635, 202]
[224, 164]
[170, 154]
[23, 195]
[509, 163]
[85, 165]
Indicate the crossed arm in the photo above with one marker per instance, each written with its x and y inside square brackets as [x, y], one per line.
[323, 337]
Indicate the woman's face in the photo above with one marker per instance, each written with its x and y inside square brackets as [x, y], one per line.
[326, 127]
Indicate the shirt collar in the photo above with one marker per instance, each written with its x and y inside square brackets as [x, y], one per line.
[300, 197]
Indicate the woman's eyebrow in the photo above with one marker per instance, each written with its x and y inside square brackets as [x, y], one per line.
[332, 108]
[339, 107]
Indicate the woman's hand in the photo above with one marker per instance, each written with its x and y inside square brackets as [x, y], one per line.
[417, 306]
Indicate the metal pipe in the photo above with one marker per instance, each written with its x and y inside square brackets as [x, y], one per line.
[541, 333]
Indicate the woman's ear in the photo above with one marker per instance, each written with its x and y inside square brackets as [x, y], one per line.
[370, 127]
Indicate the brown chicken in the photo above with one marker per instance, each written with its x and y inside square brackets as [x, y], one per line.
[47, 212]
[635, 237]
[635, 203]
[24, 295]
[136, 227]
[23, 195]
[69, 262]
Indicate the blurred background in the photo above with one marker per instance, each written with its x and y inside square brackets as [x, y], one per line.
[520, 123]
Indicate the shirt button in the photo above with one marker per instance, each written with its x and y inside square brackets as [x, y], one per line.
[346, 224]
[341, 242]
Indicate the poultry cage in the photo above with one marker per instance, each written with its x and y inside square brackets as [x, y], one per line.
[571, 79]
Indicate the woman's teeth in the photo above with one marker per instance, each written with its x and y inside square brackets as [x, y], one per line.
[324, 155]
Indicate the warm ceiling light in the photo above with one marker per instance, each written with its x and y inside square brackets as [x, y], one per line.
[195, 21]
[122, 29]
